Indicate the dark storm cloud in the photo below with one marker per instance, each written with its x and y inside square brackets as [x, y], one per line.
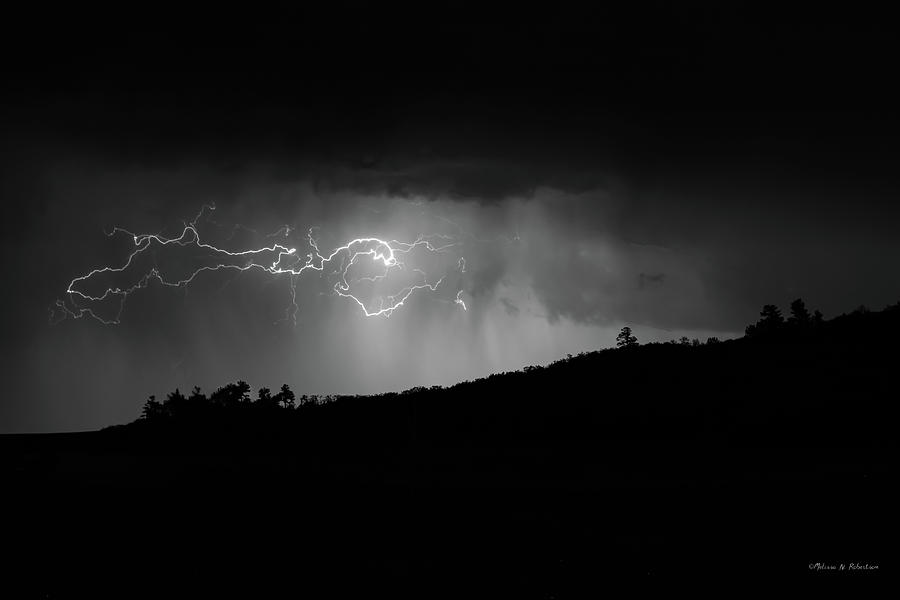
[581, 268]
[645, 279]
[487, 179]
[665, 252]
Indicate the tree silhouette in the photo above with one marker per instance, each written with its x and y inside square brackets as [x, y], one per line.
[770, 321]
[197, 401]
[152, 410]
[771, 316]
[264, 399]
[625, 338]
[222, 397]
[285, 397]
[243, 389]
[175, 404]
[799, 313]
[231, 395]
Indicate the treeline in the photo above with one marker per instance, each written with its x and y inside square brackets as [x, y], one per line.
[797, 378]
[235, 398]
[231, 397]
[772, 321]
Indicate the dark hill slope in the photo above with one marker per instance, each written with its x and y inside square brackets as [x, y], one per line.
[757, 456]
[825, 385]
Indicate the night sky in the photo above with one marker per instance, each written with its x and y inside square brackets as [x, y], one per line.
[670, 168]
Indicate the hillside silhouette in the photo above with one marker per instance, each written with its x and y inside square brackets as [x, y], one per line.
[795, 381]
[686, 459]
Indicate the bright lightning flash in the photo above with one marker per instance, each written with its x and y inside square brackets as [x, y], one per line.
[460, 301]
[276, 259]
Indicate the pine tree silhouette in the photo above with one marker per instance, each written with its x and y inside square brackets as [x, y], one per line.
[626, 338]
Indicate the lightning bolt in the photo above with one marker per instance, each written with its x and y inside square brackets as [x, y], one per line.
[275, 259]
[460, 301]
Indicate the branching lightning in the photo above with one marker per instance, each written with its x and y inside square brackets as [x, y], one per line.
[275, 259]
[460, 301]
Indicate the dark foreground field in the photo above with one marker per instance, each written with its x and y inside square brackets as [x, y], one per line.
[745, 460]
